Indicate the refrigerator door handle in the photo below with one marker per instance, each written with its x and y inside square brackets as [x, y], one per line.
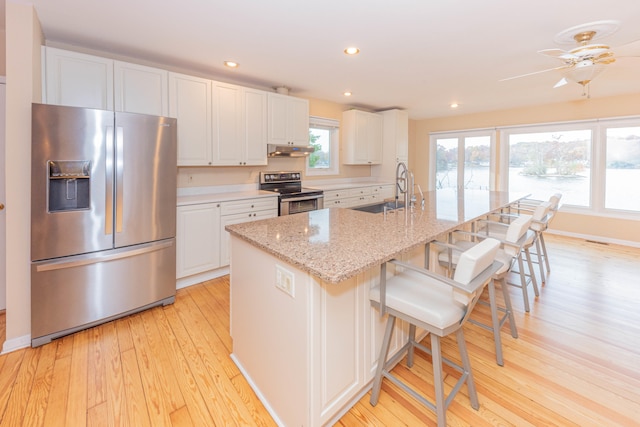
[119, 177]
[108, 198]
[93, 259]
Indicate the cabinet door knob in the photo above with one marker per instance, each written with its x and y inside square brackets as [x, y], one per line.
[1, 206]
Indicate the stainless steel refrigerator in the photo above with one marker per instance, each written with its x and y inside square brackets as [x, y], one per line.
[103, 217]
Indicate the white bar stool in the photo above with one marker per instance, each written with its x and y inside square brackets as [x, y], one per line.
[438, 305]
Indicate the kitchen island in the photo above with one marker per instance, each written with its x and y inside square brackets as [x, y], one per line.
[304, 333]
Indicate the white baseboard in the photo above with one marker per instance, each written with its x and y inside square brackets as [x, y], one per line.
[601, 239]
[201, 277]
[16, 344]
[257, 391]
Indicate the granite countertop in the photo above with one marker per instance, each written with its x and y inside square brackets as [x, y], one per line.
[335, 244]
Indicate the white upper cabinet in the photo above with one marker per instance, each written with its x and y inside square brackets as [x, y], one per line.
[227, 124]
[78, 80]
[255, 126]
[239, 126]
[361, 137]
[395, 143]
[219, 124]
[81, 80]
[141, 89]
[190, 103]
[288, 120]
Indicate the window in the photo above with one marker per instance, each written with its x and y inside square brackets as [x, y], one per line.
[622, 173]
[548, 161]
[323, 135]
[594, 164]
[462, 159]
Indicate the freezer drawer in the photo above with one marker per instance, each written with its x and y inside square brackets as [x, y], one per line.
[73, 293]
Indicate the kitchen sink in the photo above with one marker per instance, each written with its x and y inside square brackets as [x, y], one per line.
[379, 207]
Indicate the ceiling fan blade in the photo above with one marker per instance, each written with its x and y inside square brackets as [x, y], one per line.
[536, 72]
[557, 53]
[563, 81]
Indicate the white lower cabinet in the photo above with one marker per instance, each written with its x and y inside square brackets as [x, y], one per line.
[202, 242]
[197, 239]
[239, 218]
[357, 196]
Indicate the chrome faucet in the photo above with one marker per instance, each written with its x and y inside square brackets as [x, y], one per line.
[421, 196]
[402, 184]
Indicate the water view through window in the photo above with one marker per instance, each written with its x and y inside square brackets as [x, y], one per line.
[545, 163]
[472, 170]
[622, 182]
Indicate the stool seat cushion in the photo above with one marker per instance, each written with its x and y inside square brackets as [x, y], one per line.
[422, 298]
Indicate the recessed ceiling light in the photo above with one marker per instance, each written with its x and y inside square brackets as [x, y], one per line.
[454, 105]
[352, 51]
[231, 64]
[347, 93]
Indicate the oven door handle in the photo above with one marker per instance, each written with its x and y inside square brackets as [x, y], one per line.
[298, 199]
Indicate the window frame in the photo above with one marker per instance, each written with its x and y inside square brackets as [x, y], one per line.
[333, 126]
[461, 136]
[598, 172]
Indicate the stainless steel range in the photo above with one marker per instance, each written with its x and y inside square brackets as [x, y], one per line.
[293, 197]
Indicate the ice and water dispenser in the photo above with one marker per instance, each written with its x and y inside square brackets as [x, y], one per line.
[69, 185]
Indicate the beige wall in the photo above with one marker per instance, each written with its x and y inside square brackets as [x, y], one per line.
[3, 53]
[600, 228]
[23, 87]
[210, 176]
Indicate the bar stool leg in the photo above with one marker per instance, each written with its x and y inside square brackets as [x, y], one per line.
[411, 343]
[544, 251]
[523, 283]
[508, 307]
[540, 263]
[495, 322]
[464, 356]
[386, 341]
[436, 355]
[532, 274]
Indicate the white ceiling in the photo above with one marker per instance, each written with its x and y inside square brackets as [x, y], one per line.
[416, 55]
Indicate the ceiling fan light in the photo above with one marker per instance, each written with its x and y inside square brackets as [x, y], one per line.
[584, 72]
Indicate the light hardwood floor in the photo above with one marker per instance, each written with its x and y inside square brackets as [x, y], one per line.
[576, 362]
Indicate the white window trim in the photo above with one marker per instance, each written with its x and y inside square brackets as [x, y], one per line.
[460, 136]
[598, 129]
[334, 126]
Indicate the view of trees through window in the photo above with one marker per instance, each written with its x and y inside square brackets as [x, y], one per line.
[323, 137]
[545, 163]
[472, 170]
[320, 140]
[594, 164]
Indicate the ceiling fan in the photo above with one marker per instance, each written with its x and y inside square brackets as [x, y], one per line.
[587, 60]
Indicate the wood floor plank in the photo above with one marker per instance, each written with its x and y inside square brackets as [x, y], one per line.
[162, 367]
[77, 401]
[40, 388]
[116, 397]
[56, 408]
[21, 389]
[217, 361]
[215, 403]
[155, 401]
[575, 362]
[97, 375]
[8, 375]
[136, 404]
[197, 407]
